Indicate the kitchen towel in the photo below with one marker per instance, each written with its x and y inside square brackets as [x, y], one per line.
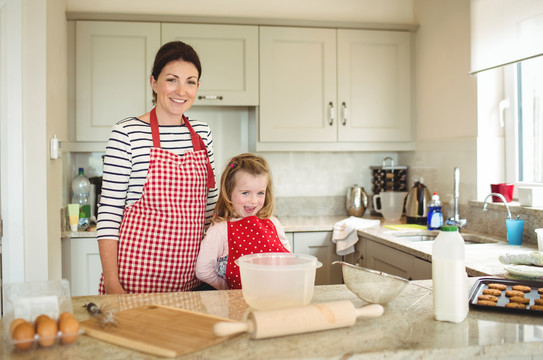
[344, 234]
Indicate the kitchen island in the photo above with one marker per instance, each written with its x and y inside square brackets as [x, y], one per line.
[406, 330]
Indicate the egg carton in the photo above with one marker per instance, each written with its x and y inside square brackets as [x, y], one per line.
[30, 299]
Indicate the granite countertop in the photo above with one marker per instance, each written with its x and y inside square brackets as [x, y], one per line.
[407, 330]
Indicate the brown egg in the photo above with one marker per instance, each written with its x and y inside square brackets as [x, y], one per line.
[15, 323]
[40, 318]
[69, 328]
[23, 336]
[62, 316]
[47, 332]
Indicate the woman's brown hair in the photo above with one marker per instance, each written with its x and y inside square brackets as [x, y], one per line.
[251, 164]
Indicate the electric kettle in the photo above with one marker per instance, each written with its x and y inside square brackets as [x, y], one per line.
[357, 201]
[416, 204]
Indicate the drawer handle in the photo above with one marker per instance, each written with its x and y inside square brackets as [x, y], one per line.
[344, 106]
[210, 97]
[332, 113]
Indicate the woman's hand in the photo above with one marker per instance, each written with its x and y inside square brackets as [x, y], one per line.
[114, 287]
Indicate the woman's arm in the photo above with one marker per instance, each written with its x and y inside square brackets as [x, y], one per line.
[110, 268]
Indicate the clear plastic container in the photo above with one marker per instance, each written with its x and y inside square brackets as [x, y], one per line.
[277, 280]
[80, 195]
[435, 216]
[28, 301]
[449, 277]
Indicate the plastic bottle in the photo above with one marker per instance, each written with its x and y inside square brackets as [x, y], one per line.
[80, 195]
[435, 217]
[449, 276]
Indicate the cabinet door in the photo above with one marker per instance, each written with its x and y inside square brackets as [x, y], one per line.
[229, 58]
[81, 265]
[374, 86]
[320, 245]
[113, 61]
[384, 258]
[297, 85]
[422, 269]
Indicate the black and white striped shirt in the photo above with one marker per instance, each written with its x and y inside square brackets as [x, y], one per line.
[126, 164]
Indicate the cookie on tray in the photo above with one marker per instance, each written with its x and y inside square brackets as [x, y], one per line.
[511, 293]
[493, 292]
[522, 288]
[488, 298]
[538, 301]
[536, 307]
[519, 299]
[515, 305]
[486, 302]
[498, 286]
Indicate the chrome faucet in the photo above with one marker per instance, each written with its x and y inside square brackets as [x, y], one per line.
[502, 199]
[455, 220]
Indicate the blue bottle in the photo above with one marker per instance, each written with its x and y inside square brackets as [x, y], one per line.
[435, 217]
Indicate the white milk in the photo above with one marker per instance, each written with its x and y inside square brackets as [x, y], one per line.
[449, 276]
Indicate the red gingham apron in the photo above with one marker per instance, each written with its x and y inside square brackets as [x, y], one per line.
[247, 236]
[160, 234]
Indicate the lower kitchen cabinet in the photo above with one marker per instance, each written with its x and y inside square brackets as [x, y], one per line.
[318, 244]
[81, 265]
[393, 261]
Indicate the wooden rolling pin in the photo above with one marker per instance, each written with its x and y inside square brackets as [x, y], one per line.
[314, 317]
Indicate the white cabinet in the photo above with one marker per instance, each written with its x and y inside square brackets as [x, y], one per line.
[395, 262]
[328, 89]
[229, 57]
[114, 61]
[319, 244]
[81, 265]
[113, 64]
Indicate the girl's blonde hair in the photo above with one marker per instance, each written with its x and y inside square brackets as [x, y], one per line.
[251, 164]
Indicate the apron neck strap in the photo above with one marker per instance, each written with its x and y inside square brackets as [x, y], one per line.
[197, 143]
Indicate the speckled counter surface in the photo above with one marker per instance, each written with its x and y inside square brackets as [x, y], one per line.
[407, 330]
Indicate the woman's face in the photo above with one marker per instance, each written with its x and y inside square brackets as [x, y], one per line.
[176, 87]
[249, 193]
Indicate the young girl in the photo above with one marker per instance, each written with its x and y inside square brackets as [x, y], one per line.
[243, 222]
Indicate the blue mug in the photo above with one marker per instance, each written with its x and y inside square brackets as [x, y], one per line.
[515, 227]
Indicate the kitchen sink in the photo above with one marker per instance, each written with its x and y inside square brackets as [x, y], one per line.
[426, 235]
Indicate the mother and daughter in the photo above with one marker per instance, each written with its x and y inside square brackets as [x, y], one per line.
[159, 195]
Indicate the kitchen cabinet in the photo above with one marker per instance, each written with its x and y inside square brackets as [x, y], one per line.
[114, 61]
[335, 89]
[113, 64]
[81, 265]
[393, 261]
[318, 244]
[229, 57]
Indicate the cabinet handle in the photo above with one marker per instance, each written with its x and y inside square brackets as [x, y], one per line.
[210, 97]
[332, 113]
[344, 106]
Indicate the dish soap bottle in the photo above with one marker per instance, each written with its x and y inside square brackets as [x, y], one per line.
[81, 193]
[435, 217]
[449, 277]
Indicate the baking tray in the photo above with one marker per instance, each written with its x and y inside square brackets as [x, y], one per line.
[482, 284]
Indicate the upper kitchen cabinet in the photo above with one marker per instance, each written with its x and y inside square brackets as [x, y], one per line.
[335, 90]
[229, 57]
[113, 64]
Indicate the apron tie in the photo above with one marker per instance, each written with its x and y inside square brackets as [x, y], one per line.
[197, 144]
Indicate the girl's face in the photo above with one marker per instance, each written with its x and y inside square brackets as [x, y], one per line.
[176, 87]
[249, 193]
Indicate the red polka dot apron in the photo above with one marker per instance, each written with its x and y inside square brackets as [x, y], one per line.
[247, 236]
[160, 234]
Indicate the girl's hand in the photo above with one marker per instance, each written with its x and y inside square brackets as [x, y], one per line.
[114, 288]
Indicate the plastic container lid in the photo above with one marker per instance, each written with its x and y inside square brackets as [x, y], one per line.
[449, 228]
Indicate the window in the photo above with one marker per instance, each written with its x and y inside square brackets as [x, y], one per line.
[524, 128]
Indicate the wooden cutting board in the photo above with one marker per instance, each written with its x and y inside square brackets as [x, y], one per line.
[158, 330]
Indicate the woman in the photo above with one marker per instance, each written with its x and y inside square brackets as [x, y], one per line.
[158, 188]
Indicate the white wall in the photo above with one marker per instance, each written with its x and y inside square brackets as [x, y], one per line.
[446, 99]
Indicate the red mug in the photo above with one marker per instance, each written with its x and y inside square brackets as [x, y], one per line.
[505, 189]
